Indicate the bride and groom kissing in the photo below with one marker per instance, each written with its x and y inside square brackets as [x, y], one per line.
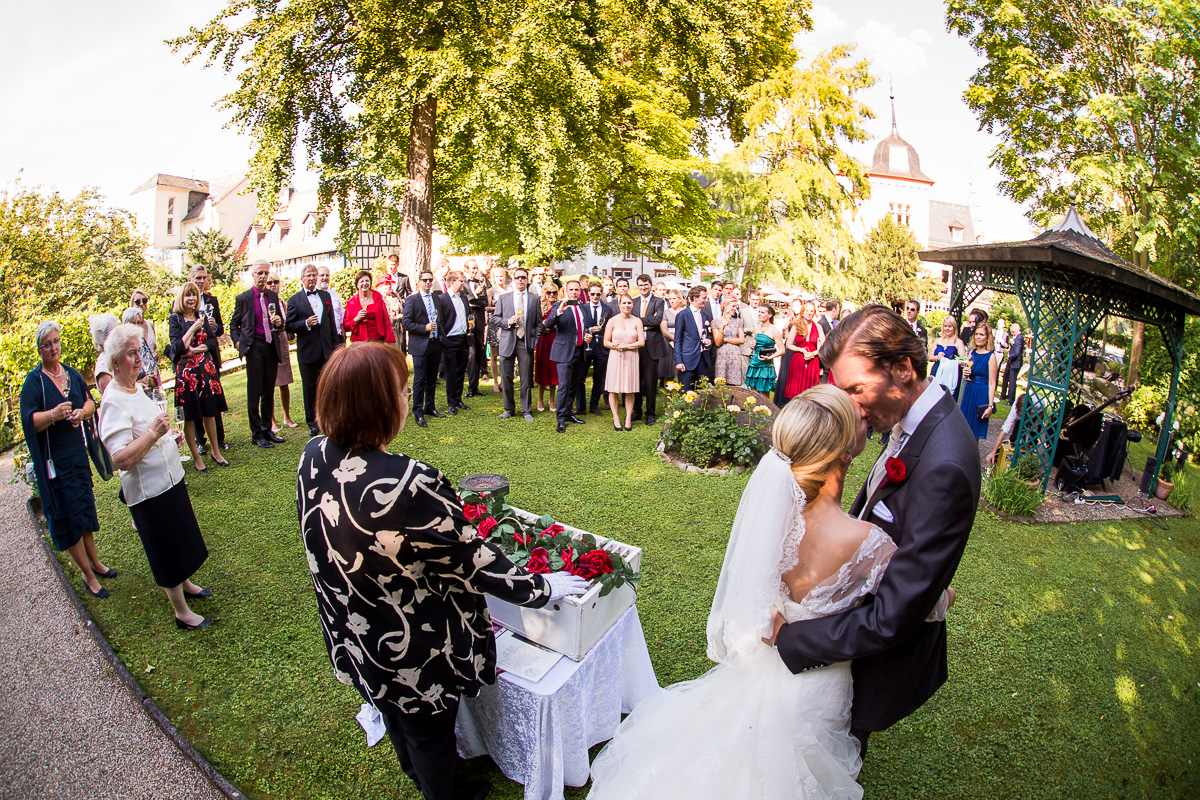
[825, 625]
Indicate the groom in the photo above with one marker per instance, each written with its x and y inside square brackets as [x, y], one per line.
[922, 492]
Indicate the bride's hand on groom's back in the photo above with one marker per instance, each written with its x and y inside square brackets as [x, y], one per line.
[779, 623]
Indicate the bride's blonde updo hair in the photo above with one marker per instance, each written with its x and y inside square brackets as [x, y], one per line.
[814, 430]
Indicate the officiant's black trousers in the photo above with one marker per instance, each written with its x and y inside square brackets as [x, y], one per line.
[426, 748]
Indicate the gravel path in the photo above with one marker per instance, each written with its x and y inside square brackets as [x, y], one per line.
[69, 728]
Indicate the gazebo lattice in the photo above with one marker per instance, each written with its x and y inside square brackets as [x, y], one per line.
[1066, 281]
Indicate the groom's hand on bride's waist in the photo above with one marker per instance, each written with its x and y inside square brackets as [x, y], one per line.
[779, 623]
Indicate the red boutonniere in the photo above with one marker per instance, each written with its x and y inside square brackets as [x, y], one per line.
[894, 470]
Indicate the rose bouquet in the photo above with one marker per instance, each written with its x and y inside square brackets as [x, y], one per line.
[542, 546]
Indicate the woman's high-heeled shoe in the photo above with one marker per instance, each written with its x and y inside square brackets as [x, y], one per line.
[616, 427]
[221, 463]
[205, 592]
[628, 427]
[183, 626]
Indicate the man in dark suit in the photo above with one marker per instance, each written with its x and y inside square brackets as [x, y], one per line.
[210, 307]
[420, 321]
[1016, 359]
[693, 335]
[255, 324]
[518, 316]
[596, 315]
[566, 317]
[649, 309]
[925, 501]
[454, 310]
[396, 292]
[911, 310]
[475, 288]
[310, 319]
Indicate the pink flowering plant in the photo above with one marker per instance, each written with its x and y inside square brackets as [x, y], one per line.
[543, 546]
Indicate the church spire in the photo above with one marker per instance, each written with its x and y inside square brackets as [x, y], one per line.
[892, 97]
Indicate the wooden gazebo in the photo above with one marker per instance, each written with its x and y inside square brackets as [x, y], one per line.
[1067, 281]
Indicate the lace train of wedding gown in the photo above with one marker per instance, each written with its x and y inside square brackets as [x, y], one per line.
[749, 728]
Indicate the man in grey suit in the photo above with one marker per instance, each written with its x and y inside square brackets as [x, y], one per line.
[518, 315]
[922, 492]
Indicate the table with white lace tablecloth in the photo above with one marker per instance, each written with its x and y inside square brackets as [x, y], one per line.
[539, 733]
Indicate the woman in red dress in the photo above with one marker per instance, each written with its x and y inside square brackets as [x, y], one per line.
[545, 371]
[804, 338]
[366, 318]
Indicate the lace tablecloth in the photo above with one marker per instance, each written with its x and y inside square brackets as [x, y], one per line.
[539, 733]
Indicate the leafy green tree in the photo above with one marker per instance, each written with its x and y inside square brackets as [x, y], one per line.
[891, 272]
[61, 256]
[534, 127]
[1100, 97]
[214, 251]
[789, 186]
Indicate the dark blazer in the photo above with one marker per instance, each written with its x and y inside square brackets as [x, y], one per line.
[656, 345]
[899, 659]
[563, 350]
[596, 347]
[177, 326]
[1016, 350]
[214, 347]
[447, 314]
[313, 345]
[688, 350]
[505, 310]
[414, 319]
[922, 334]
[241, 326]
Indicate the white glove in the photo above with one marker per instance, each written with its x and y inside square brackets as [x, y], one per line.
[564, 583]
[939, 611]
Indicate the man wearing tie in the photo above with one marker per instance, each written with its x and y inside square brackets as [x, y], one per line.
[650, 310]
[420, 320]
[453, 309]
[597, 315]
[518, 316]
[475, 289]
[911, 309]
[397, 291]
[310, 318]
[1016, 358]
[566, 317]
[693, 335]
[339, 310]
[253, 328]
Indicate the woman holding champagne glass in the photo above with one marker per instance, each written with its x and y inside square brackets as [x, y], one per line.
[366, 317]
[198, 392]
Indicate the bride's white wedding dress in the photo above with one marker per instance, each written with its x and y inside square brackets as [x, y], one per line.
[749, 728]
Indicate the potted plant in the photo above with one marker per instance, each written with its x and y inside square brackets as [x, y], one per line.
[1165, 481]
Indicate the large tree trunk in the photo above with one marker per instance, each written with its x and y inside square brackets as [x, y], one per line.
[416, 229]
[1137, 341]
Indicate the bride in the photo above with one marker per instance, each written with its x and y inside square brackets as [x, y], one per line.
[749, 727]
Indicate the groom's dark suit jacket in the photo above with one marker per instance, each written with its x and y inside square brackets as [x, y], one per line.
[899, 660]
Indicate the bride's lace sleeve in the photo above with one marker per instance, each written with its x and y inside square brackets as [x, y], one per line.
[857, 578]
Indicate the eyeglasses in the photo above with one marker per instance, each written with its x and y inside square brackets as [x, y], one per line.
[141, 301]
[49, 344]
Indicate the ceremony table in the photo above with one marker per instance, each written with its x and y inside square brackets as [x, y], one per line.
[539, 733]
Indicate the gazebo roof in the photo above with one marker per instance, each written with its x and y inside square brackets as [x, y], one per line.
[1072, 245]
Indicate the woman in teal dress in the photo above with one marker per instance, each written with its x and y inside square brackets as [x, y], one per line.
[760, 375]
[56, 418]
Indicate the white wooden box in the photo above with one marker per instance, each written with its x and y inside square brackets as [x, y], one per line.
[573, 624]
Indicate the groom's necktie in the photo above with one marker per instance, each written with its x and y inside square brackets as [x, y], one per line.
[880, 469]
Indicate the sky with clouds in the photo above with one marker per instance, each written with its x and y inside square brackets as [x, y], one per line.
[95, 98]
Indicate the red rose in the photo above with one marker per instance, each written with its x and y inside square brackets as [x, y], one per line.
[474, 512]
[894, 469]
[568, 557]
[553, 530]
[592, 564]
[522, 539]
[539, 561]
[485, 527]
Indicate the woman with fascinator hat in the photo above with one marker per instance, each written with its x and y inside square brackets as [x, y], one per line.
[749, 727]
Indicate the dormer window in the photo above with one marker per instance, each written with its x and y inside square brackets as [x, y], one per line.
[956, 231]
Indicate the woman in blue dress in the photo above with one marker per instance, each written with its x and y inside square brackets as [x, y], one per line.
[760, 375]
[56, 418]
[948, 349]
[979, 392]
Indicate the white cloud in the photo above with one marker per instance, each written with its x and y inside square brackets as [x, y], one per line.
[921, 36]
[890, 52]
[826, 21]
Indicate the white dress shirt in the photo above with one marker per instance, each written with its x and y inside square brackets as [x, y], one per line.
[124, 416]
[339, 310]
[318, 308]
[460, 315]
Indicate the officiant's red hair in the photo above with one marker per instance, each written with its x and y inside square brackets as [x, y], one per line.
[361, 399]
[878, 334]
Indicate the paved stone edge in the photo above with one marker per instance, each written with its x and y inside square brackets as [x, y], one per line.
[218, 781]
[661, 452]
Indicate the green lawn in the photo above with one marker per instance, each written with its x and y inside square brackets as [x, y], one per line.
[1073, 648]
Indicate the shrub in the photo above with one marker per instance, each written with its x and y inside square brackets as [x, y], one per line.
[703, 426]
[1006, 493]
[1180, 496]
[1027, 468]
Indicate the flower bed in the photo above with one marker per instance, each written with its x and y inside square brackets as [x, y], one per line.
[716, 425]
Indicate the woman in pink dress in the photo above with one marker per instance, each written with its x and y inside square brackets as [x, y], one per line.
[545, 371]
[623, 336]
[804, 338]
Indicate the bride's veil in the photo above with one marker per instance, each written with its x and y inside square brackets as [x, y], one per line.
[762, 546]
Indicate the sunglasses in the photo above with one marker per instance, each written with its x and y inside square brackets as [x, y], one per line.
[272, 283]
[141, 301]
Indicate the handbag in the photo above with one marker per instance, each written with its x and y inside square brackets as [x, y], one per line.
[981, 410]
[767, 352]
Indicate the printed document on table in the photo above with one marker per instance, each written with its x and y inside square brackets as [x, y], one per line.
[528, 660]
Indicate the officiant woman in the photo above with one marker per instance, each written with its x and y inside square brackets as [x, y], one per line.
[400, 574]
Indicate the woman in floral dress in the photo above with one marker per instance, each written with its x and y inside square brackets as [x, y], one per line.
[197, 383]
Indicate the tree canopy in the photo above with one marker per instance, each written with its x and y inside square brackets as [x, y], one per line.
[790, 188]
[891, 272]
[214, 251]
[526, 129]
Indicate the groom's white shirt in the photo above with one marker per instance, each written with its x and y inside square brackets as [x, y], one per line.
[907, 425]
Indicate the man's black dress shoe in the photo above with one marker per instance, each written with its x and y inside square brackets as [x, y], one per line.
[313, 431]
[261, 442]
[201, 449]
[224, 447]
[463, 407]
[450, 412]
[576, 420]
[421, 423]
[435, 413]
[272, 436]
[636, 417]
[183, 626]
[650, 419]
[562, 427]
